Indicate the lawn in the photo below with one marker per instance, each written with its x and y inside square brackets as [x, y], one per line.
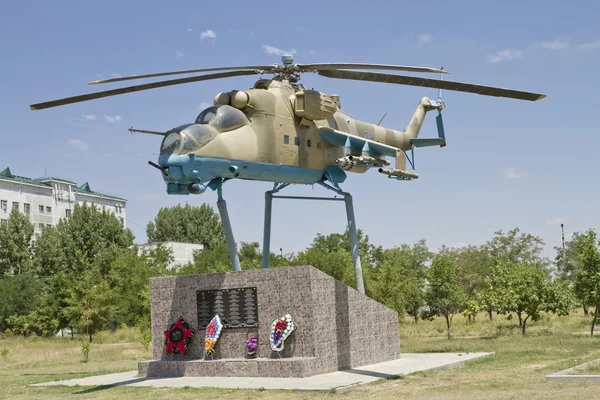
[517, 371]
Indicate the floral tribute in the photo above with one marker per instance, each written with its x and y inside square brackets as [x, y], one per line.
[252, 344]
[213, 331]
[281, 329]
[177, 337]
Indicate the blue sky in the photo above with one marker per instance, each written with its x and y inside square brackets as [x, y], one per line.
[508, 163]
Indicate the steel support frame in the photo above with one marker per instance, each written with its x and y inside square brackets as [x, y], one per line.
[347, 198]
[231, 247]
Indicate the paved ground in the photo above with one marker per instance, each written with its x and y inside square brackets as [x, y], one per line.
[338, 381]
[570, 374]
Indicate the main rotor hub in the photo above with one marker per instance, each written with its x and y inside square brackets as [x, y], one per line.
[287, 59]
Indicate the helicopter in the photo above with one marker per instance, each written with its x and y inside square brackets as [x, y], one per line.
[281, 132]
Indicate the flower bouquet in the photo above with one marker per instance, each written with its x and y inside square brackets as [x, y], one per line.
[251, 345]
[213, 331]
[281, 329]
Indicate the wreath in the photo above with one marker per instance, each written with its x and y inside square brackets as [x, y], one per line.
[281, 329]
[178, 336]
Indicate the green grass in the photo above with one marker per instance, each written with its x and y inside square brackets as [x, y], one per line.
[517, 371]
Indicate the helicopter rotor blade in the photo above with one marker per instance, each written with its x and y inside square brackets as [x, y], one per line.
[137, 88]
[189, 71]
[432, 83]
[332, 66]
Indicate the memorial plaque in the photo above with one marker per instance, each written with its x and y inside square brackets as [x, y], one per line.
[237, 308]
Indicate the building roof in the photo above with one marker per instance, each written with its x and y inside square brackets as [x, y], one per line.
[5, 174]
[45, 182]
[85, 189]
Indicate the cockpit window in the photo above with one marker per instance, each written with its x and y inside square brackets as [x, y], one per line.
[170, 144]
[200, 133]
[207, 115]
[223, 118]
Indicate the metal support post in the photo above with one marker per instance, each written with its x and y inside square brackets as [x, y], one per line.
[267, 230]
[233, 255]
[360, 286]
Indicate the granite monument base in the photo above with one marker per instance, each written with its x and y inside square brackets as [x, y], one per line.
[337, 327]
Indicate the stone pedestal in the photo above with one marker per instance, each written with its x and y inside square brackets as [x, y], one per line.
[338, 328]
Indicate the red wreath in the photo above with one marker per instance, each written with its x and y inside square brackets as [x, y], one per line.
[178, 337]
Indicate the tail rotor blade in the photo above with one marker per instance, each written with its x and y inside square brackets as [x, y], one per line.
[440, 127]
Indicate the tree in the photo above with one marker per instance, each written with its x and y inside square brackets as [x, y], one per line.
[399, 280]
[130, 280]
[370, 254]
[89, 303]
[90, 238]
[15, 244]
[587, 274]
[526, 290]
[515, 248]
[187, 224]
[567, 264]
[445, 295]
[474, 264]
[18, 296]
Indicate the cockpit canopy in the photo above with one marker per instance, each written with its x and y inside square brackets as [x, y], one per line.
[223, 118]
[210, 123]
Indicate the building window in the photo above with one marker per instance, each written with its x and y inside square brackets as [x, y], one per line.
[41, 209]
[48, 225]
[318, 145]
[4, 204]
[41, 226]
[308, 143]
[48, 209]
[27, 208]
[4, 222]
[296, 140]
[15, 206]
[286, 139]
[68, 213]
[121, 220]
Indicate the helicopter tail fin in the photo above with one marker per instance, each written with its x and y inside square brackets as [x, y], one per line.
[414, 126]
[416, 122]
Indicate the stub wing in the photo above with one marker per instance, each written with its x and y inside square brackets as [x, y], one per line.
[366, 146]
[372, 152]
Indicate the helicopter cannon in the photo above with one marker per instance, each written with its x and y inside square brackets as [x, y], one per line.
[279, 131]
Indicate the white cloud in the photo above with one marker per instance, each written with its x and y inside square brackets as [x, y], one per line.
[80, 144]
[116, 75]
[189, 29]
[113, 119]
[179, 54]
[505, 55]
[312, 53]
[208, 34]
[424, 38]
[557, 220]
[515, 173]
[277, 51]
[590, 46]
[560, 43]
[89, 117]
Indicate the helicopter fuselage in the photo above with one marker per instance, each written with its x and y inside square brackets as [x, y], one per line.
[282, 137]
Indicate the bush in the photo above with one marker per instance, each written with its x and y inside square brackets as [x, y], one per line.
[146, 338]
[85, 349]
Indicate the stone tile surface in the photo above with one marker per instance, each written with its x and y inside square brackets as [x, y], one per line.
[338, 328]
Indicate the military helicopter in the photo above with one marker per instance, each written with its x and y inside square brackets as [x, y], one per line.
[279, 131]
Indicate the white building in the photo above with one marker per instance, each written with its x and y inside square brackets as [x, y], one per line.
[182, 252]
[47, 200]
